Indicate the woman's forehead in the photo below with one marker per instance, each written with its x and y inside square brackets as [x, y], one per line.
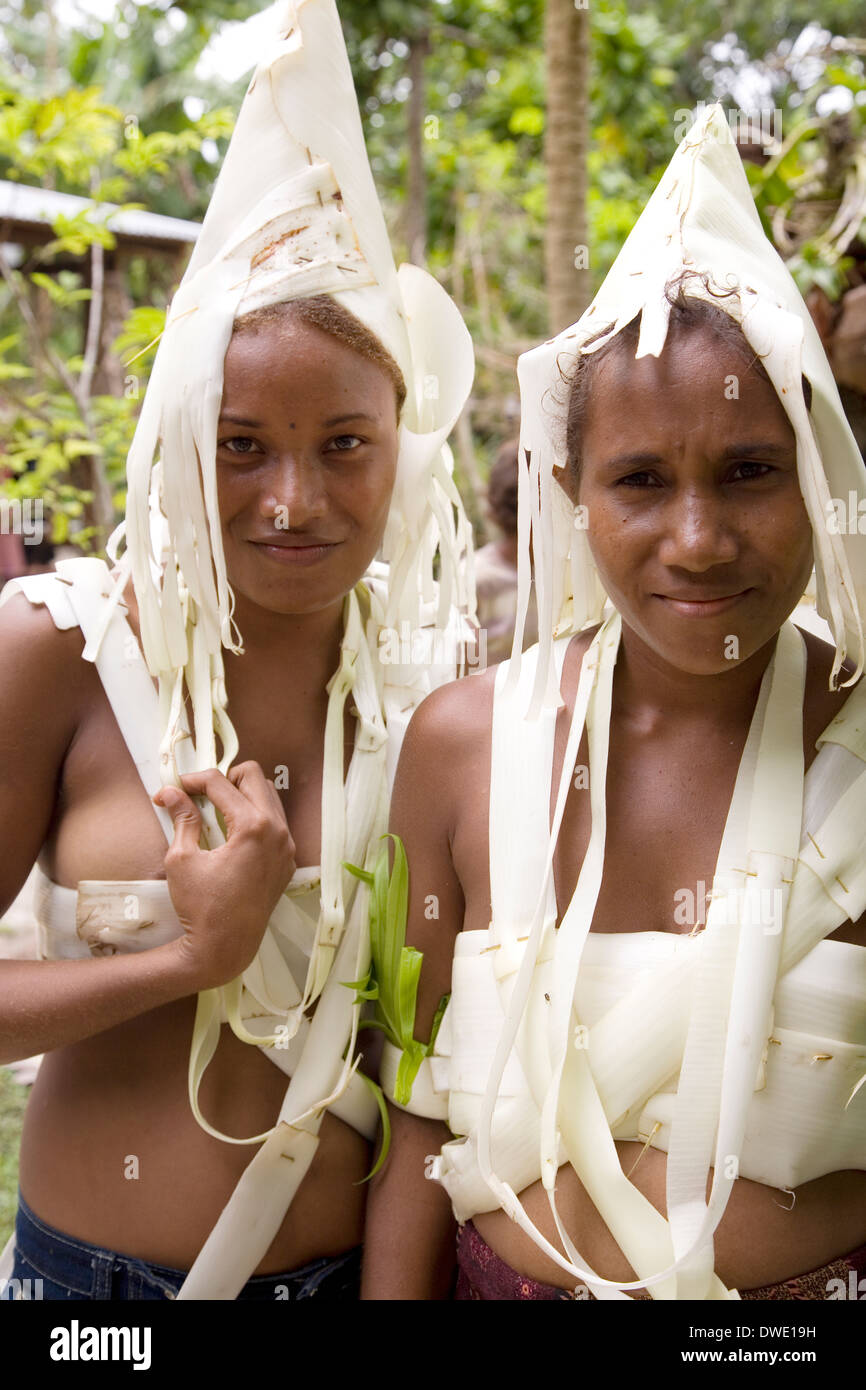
[703, 392]
[289, 349]
[309, 347]
[695, 360]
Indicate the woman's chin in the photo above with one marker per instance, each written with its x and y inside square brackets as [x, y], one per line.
[285, 603]
[293, 596]
[715, 651]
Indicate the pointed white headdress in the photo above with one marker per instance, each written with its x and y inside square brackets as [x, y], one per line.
[701, 219]
[294, 214]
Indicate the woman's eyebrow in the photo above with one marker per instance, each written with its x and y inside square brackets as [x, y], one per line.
[233, 419]
[764, 447]
[352, 415]
[239, 420]
[644, 460]
[760, 446]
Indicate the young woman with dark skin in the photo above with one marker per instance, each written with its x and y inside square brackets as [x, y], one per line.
[698, 529]
[308, 423]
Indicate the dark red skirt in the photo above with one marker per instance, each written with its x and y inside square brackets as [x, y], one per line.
[483, 1275]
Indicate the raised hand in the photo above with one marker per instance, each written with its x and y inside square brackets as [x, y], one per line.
[225, 896]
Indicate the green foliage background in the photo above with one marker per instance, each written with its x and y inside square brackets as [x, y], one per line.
[105, 111]
[116, 111]
[13, 1099]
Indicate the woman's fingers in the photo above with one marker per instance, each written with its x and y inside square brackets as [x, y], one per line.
[236, 807]
[273, 794]
[186, 817]
[252, 783]
[246, 799]
[224, 898]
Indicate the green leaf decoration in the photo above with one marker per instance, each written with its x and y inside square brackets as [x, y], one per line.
[365, 988]
[413, 1055]
[359, 873]
[386, 1127]
[395, 968]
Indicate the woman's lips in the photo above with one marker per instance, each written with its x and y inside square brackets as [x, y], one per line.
[296, 554]
[703, 608]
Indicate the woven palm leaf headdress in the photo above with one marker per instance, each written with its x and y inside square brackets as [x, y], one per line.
[700, 222]
[294, 214]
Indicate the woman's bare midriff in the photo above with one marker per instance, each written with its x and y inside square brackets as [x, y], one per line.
[111, 1152]
[766, 1234]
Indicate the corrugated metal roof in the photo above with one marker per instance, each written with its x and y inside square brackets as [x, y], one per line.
[20, 202]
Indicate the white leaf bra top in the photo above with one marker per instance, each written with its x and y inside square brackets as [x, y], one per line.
[551, 1051]
[308, 949]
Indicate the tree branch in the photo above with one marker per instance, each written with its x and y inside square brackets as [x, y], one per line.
[94, 322]
[18, 398]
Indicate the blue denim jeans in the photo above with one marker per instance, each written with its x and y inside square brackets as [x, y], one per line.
[74, 1269]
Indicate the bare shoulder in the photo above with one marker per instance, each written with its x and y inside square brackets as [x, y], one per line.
[456, 720]
[443, 752]
[44, 687]
[34, 647]
[822, 705]
[455, 714]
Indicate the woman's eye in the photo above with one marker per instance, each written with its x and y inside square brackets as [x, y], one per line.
[345, 442]
[239, 445]
[749, 469]
[637, 480]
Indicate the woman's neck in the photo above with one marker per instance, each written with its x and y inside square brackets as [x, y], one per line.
[298, 652]
[649, 690]
[302, 651]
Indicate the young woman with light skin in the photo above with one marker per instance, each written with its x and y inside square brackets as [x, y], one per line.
[307, 437]
[698, 530]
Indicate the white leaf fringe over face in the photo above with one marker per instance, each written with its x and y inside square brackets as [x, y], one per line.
[294, 214]
[702, 219]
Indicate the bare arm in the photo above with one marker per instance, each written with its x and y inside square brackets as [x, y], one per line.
[410, 1236]
[223, 897]
[409, 1241]
[49, 1004]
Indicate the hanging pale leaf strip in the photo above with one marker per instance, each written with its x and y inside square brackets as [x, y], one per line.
[395, 968]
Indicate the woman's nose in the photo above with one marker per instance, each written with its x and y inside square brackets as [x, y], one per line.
[698, 532]
[295, 494]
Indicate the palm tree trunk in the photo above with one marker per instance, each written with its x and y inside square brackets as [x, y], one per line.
[566, 42]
